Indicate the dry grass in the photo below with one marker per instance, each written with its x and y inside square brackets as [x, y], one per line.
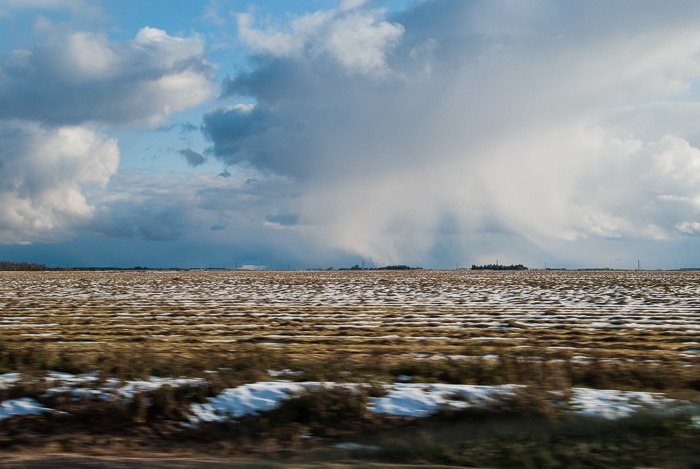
[549, 330]
[583, 328]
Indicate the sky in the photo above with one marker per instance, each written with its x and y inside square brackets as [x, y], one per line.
[324, 133]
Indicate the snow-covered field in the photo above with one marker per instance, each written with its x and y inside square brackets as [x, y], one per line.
[413, 312]
[387, 342]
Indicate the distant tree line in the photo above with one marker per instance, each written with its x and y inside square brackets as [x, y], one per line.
[17, 266]
[499, 267]
[388, 267]
[26, 266]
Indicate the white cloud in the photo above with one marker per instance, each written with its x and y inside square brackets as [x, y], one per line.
[357, 39]
[689, 227]
[272, 42]
[89, 57]
[45, 173]
[253, 267]
[86, 77]
[360, 43]
[171, 52]
[346, 5]
[211, 13]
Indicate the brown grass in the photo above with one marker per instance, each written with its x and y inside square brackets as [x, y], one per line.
[548, 330]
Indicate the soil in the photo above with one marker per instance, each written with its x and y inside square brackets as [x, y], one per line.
[55, 441]
[153, 461]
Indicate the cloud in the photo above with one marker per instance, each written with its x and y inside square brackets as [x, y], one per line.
[80, 77]
[44, 178]
[54, 97]
[356, 39]
[283, 218]
[148, 207]
[211, 13]
[184, 128]
[193, 158]
[451, 125]
[82, 8]
[150, 220]
[689, 227]
[253, 267]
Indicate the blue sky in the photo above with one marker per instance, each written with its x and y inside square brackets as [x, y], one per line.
[318, 133]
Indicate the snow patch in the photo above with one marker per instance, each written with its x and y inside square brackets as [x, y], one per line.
[614, 404]
[248, 399]
[421, 400]
[8, 379]
[22, 406]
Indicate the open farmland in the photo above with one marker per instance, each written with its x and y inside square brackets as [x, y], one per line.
[421, 314]
[538, 367]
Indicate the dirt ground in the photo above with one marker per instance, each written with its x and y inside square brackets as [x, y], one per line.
[152, 461]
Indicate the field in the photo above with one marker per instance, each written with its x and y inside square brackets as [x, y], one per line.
[548, 330]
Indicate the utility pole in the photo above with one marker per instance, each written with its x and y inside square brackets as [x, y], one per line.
[638, 266]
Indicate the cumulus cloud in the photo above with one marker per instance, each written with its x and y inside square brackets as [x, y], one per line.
[54, 97]
[356, 39]
[689, 227]
[83, 76]
[472, 127]
[43, 177]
